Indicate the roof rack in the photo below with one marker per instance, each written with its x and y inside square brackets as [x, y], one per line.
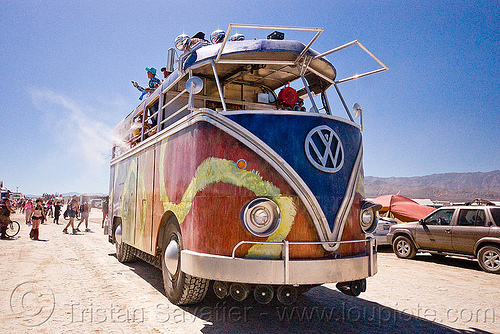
[479, 201]
[256, 26]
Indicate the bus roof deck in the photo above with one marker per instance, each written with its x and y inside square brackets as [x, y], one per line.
[235, 75]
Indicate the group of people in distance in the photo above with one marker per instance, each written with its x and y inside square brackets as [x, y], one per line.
[37, 211]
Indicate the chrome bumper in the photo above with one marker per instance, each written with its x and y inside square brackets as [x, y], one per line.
[281, 271]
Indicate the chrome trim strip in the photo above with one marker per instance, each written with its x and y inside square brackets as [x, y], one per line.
[291, 112]
[263, 271]
[345, 207]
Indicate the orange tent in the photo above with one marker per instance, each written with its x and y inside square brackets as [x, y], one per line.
[402, 208]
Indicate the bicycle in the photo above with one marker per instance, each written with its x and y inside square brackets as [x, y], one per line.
[12, 229]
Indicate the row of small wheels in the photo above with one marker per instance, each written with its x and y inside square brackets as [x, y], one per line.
[488, 255]
[262, 293]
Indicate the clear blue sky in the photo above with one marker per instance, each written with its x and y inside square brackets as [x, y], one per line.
[66, 66]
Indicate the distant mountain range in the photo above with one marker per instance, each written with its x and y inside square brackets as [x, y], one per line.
[453, 186]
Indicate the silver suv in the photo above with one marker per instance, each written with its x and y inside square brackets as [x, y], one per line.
[471, 230]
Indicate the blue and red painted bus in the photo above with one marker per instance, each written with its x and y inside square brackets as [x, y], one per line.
[222, 179]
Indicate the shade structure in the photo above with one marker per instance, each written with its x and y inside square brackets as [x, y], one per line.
[403, 208]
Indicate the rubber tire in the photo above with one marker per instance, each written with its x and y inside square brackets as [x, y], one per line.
[356, 288]
[489, 250]
[125, 253]
[180, 288]
[404, 248]
[12, 233]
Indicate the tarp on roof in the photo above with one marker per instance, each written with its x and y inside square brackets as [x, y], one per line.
[403, 208]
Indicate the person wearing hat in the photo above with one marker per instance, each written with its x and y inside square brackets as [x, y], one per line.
[154, 82]
[5, 211]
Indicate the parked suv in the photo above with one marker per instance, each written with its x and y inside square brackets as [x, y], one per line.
[471, 230]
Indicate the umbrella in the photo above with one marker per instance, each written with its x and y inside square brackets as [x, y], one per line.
[403, 208]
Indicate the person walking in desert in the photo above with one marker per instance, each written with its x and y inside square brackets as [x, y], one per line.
[37, 218]
[72, 212]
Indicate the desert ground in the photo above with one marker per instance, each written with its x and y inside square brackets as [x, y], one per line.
[74, 284]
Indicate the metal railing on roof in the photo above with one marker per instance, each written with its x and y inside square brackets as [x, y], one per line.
[255, 26]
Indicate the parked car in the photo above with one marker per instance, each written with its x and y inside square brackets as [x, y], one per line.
[96, 203]
[383, 226]
[471, 230]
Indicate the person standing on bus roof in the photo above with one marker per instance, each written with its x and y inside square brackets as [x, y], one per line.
[154, 82]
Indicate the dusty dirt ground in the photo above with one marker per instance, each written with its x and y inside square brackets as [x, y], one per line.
[74, 284]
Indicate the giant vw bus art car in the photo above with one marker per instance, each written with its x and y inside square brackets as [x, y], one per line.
[221, 178]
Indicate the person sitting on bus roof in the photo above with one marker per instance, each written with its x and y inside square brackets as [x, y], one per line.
[136, 128]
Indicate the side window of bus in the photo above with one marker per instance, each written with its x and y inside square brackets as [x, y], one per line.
[151, 120]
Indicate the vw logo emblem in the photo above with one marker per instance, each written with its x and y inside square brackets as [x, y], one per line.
[324, 150]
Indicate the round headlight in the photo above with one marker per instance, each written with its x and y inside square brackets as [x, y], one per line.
[261, 217]
[368, 218]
